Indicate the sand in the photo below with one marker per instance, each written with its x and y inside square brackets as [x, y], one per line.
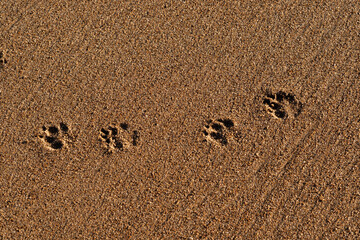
[179, 119]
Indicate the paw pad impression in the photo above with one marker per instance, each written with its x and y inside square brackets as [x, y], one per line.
[217, 131]
[118, 137]
[282, 105]
[54, 137]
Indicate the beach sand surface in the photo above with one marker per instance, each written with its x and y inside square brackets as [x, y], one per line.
[179, 119]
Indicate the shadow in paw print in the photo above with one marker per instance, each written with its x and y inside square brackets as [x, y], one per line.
[282, 105]
[54, 137]
[118, 138]
[217, 131]
[135, 137]
[3, 61]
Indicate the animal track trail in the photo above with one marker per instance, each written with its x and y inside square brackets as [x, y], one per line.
[118, 138]
[218, 131]
[282, 105]
[55, 137]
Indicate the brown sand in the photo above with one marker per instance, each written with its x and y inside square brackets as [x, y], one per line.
[179, 119]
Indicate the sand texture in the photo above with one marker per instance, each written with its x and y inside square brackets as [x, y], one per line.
[179, 119]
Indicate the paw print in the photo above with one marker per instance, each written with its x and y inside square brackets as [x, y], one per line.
[118, 137]
[3, 61]
[282, 105]
[218, 131]
[54, 137]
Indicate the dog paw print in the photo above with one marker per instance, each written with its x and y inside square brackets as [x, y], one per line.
[3, 61]
[282, 105]
[218, 131]
[118, 137]
[54, 137]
